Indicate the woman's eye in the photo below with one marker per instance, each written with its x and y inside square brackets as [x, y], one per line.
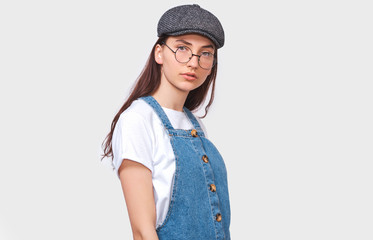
[207, 54]
[181, 48]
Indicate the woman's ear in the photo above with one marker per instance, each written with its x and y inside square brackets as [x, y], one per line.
[158, 54]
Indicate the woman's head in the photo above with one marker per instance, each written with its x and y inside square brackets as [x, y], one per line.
[191, 30]
[192, 27]
[202, 29]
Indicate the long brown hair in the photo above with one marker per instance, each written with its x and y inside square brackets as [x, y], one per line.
[149, 81]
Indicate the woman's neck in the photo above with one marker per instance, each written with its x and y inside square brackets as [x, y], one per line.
[170, 97]
[170, 100]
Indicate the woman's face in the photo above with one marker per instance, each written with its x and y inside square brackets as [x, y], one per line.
[184, 76]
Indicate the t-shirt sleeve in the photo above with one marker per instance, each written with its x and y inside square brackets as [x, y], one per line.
[132, 139]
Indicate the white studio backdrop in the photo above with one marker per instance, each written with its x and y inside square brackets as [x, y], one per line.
[292, 115]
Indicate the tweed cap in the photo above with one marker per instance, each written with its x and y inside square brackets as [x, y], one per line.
[191, 19]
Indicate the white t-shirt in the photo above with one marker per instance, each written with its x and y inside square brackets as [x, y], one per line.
[139, 135]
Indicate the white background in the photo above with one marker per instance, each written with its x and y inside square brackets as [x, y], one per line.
[292, 115]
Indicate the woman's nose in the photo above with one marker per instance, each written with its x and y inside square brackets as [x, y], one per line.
[193, 62]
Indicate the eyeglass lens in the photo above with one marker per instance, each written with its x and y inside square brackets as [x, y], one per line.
[184, 54]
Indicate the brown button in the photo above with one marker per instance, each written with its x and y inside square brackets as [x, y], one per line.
[205, 158]
[212, 188]
[194, 133]
[218, 217]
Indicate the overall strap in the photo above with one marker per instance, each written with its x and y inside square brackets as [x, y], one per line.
[158, 109]
[192, 119]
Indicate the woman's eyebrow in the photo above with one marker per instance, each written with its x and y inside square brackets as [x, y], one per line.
[183, 41]
[189, 44]
[208, 46]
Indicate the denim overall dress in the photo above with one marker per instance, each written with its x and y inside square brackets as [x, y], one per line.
[199, 208]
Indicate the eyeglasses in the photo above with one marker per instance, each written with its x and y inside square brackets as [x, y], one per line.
[183, 54]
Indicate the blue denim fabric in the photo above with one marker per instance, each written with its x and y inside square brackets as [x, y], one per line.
[192, 214]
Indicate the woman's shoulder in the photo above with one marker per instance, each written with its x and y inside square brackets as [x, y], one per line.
[138, 110]
[136, 122]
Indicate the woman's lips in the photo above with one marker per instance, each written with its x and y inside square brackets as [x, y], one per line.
[189, 76]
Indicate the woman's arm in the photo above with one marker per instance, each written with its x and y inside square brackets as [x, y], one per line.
[136, 180]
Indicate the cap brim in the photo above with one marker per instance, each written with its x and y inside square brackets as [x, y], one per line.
[205, 34]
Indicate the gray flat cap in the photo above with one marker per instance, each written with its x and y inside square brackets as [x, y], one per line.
[191, 19]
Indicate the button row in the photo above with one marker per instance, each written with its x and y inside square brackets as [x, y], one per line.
[212, 186]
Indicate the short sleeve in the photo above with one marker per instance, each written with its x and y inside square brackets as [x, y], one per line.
[132, 139]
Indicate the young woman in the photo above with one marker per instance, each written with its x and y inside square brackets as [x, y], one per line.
[173, 178]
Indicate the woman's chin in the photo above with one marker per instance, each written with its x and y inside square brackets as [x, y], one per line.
[188, 86]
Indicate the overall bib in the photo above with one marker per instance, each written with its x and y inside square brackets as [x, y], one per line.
[199, 208]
